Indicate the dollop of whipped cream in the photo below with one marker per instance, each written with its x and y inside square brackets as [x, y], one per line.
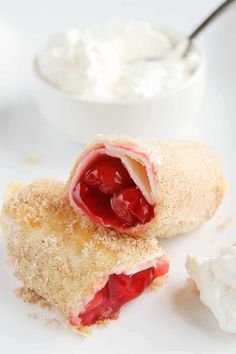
[116, 61]
[215, 278]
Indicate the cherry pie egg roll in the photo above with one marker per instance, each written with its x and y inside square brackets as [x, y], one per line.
[87, 271]
[145, 187]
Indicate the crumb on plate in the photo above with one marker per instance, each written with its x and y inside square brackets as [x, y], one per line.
[32, 159]
[225, 224]
[31, 297]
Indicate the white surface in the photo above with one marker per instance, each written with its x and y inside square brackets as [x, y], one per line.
[169, 321]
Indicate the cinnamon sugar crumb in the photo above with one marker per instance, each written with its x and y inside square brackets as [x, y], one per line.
[104, 322]
[83, 331]
[31, 297]
[46, 321]
[225, 224]
[32, 159]
[34, 316]
[52, 321]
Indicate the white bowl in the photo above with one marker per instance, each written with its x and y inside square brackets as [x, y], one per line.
[166, 115]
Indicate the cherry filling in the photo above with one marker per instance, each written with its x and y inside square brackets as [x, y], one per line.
[119, 289]
[108, 194]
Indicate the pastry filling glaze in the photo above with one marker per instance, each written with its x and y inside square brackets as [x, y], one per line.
[119, 289]
[108, 194]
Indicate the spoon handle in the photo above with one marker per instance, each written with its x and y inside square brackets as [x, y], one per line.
[210, 18]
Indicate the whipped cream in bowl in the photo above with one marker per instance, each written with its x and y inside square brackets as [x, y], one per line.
[215, 278]
[121, 77]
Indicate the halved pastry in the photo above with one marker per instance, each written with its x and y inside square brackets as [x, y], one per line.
[146, 187]
[86, 271]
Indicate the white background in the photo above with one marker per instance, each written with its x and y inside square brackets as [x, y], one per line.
[173, 320]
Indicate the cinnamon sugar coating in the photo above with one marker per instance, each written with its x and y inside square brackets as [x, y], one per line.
[61, 255]
[190, 183]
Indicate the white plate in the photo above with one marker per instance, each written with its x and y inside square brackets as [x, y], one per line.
[169, 320]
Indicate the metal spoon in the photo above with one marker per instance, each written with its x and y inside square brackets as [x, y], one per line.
[220, 9]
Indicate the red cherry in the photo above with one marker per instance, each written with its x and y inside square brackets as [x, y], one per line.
[143, 279]
[98, 300]
[109, 175]
[131, 207]
[143, 211]
[108, 194]
[120, 285]
[124, 287]
[120, 289]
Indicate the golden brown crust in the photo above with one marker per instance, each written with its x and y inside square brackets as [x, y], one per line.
[190, 184]
[56, 254]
